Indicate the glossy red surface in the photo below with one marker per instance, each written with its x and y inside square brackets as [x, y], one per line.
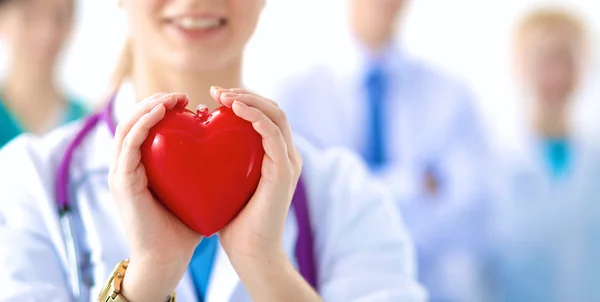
[203, 168]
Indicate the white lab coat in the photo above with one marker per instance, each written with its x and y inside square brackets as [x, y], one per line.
[547, 231]
[431, 121]
[363, 251]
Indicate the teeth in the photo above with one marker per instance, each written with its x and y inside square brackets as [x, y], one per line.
[197, 23]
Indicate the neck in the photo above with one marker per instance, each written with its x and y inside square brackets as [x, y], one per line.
[551, 124]
[374, 36]
[32, 95]
[149, 80]
[374, 42]
[31, 85]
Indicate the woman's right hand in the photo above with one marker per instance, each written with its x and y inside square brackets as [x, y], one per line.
[160, 245]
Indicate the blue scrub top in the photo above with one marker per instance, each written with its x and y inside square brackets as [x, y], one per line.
[10, 127]
[557, 156]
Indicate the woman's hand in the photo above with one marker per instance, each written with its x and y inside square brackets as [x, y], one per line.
[253, 241]
[160, 245]
[256, 233]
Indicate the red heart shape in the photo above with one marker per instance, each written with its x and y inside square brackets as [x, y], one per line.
[203, 167]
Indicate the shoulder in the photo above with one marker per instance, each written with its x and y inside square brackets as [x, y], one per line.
[428, 72]
[29, 149]
[28, 166]
[436, 81]
[313, 79]
[588, 149]
[586, 143]
[32, 154]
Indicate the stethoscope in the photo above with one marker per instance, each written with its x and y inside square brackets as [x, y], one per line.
[304, 245]
[65, 205]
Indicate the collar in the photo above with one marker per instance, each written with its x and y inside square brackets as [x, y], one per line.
[124, 102]
[352, 59]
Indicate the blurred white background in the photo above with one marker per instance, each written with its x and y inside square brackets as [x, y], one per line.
[468, 38]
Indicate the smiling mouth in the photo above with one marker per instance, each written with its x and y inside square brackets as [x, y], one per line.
[198, 23]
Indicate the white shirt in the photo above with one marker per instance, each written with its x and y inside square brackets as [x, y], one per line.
[431, 121]
[361, 247]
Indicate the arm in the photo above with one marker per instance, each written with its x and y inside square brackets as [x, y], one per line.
[275, 280]
[364, 250]
[30, 266]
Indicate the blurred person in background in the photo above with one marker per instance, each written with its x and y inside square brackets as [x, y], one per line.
[549, 224]
[34, 32]
[419, 131]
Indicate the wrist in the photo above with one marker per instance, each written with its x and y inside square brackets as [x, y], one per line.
[274, 279]
[262, 269]
[261, 260]
[149, 282]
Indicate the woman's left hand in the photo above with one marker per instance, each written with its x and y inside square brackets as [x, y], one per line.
[253, 240]
[255, 235]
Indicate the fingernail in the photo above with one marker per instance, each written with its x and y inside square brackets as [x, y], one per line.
[157, 107]
[230, 94]
[238, 103]
[175, 95]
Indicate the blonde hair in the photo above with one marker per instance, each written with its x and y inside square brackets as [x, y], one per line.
[552, 17]
[123, 67]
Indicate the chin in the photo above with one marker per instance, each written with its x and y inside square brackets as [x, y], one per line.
[203, 62]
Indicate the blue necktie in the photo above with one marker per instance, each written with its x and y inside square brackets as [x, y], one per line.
[202, 263]
[376, 88]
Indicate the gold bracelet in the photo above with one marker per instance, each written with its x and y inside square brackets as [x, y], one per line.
[112, 290]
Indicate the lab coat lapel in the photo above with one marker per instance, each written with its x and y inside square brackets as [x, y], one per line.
[223, 280]
[534, 166]
[185, 289]
[584, 170]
